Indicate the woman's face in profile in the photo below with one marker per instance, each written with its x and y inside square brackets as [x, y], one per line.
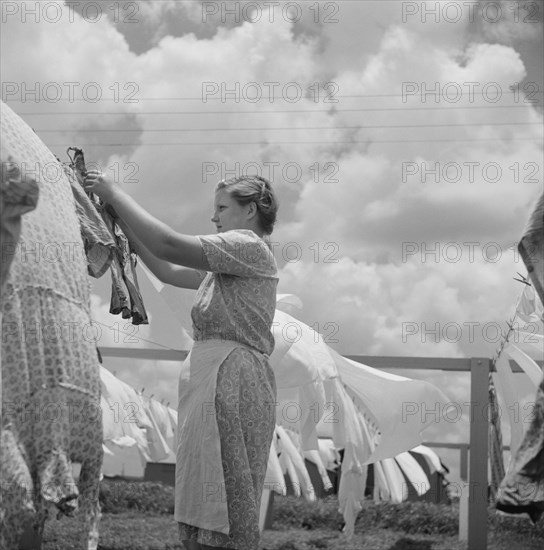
[228, 214]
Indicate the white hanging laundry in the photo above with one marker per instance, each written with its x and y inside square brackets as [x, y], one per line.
[179, 301]
[173, 417]
[288, 467]
[107, 452]
[415, 474]
[329, 454]
[505, 385]
[529, 341]
[124, 460]
[365, 425]
[126, 447]
[274, 479]
[395, 480]
[157, 284]
[529, 307]
[294, 464]
[301, 363]
[349, 493]
[399, 417]
[288, 303]
[112, 428]
[432, 459]
[300, 355]
[162, 418]
[315, 384]
[158, 448]
[314, 457]
[531, 369]
[354, 435]
[123, 412]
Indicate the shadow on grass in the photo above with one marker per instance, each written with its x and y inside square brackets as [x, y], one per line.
[411, 544]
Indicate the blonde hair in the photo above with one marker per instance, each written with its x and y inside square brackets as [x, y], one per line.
[248, 189]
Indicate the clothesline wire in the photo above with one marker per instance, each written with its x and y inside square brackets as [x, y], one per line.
[261, 128]
[510, 323]
[320, 89]
[117, 329]
[141, 392]
[265, 143]
[272, 112]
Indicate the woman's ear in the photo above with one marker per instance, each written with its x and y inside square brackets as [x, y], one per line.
[252, 211]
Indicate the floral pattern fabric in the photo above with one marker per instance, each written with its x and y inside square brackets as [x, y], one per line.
[50, 375]
[235, 303]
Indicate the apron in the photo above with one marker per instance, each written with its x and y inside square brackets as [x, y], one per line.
[200, 496]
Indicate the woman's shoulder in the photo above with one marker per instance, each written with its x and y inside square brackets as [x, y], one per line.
[244, 236]
[256, 249]
[242, 232]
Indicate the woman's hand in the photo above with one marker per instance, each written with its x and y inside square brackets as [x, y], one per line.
[98, 183]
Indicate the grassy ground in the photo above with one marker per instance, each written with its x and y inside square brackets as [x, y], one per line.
[143, 521]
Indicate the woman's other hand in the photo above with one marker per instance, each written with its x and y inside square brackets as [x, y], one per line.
[98, 183]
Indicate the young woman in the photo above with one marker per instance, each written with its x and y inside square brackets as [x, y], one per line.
[227, 390]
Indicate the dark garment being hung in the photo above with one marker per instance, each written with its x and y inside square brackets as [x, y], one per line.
[97, 239]
[125, 294]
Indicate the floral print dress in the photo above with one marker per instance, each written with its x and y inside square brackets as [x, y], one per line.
[232, 319]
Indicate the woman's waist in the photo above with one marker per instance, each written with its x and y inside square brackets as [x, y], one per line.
[224, 342]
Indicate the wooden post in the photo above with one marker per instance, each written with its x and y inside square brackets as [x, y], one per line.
[463, 465]
[477, 467]
[463, 496]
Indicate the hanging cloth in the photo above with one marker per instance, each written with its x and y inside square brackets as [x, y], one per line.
[495, 439]
[522, 490]
[98, 242]
[125, 294]
[531, 247]
[18, 195]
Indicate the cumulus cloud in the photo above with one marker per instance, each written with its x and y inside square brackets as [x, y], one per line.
[396, 210]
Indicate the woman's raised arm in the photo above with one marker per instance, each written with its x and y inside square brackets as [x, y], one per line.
[155, 235]
[166, 272]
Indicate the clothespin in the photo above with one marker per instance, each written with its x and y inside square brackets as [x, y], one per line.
[142, 391]
[162, 400]
[494, 360]
[523, 279]
[151, 396]
[167, 404]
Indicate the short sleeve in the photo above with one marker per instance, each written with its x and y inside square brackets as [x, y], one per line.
[239, 252]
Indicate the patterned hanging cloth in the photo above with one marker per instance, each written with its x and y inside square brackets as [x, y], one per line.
[522, 490]
[125, 294]
[495, 440]
[18, 195]
[531, 247]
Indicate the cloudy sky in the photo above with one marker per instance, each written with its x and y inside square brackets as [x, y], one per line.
[404, 143]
